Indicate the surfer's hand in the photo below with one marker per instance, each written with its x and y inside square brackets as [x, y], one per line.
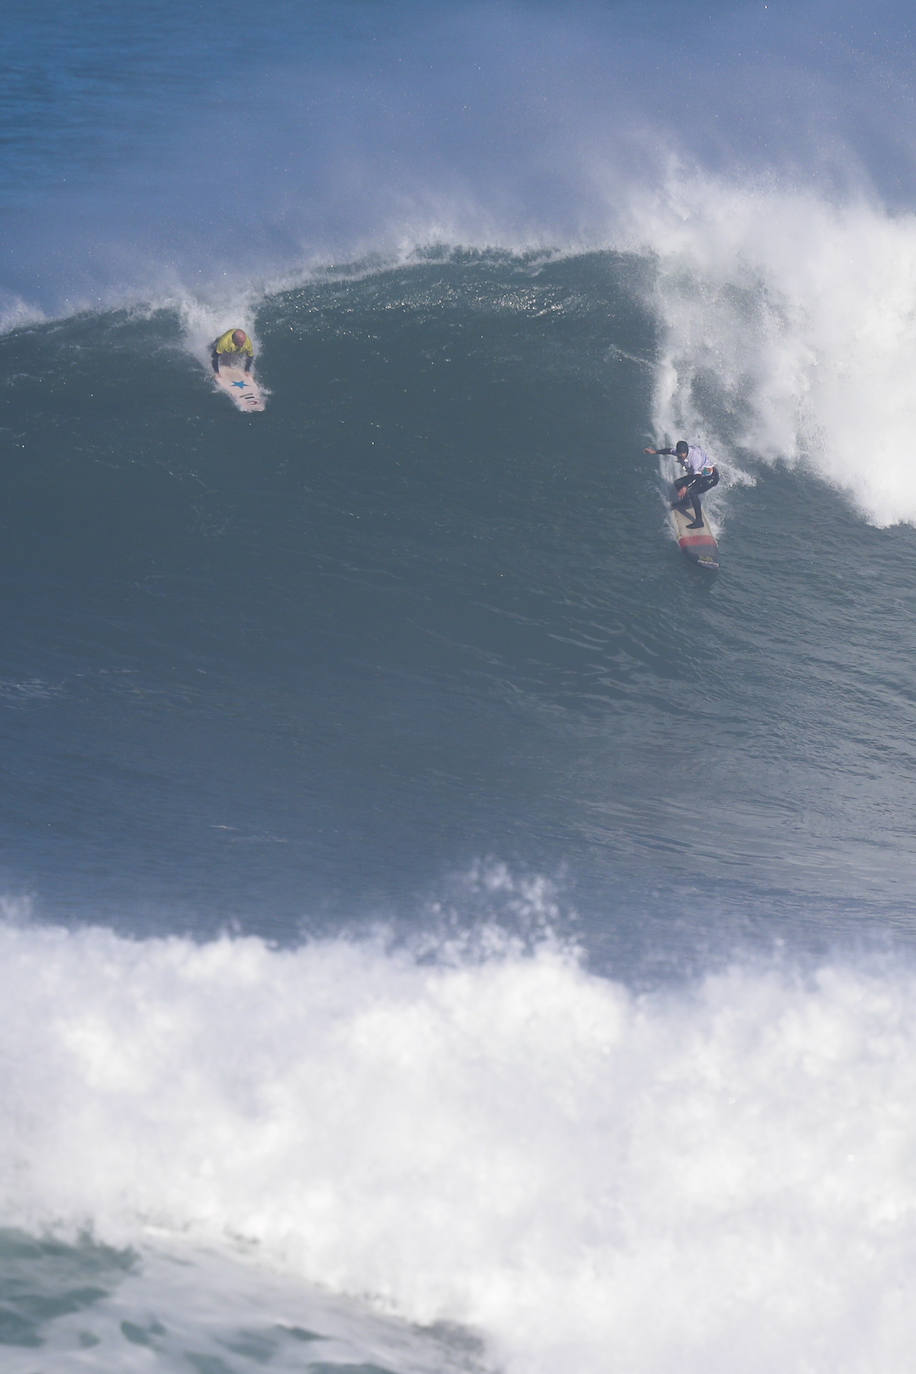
[650, 450]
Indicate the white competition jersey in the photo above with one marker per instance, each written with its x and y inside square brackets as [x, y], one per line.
[697, 458]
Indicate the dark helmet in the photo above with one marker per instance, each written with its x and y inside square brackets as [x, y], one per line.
[681, 448]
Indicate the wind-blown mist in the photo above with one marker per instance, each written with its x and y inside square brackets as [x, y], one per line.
[332, 135]
[753, 158]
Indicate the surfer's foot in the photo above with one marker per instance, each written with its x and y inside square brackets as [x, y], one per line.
[695, 524]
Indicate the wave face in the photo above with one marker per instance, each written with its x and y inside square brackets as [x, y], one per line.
[442, 930]
[428, 614]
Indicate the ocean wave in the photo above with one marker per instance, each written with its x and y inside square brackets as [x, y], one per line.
[784, 251]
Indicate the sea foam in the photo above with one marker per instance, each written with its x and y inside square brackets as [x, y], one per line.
[788, 326]
[581, 1173]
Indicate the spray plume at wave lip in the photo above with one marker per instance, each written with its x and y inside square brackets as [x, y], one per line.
[719, 1167]
[784, 279]
[479, 125]
[788, 328]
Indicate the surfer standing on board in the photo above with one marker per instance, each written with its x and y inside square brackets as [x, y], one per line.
[700, 474]
[233, 342]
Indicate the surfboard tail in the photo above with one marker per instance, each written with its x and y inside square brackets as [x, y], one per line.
[701, 547]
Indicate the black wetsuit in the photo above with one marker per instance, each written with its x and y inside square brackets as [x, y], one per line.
[691, 485]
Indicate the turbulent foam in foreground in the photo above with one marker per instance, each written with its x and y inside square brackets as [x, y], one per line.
[511, 1144]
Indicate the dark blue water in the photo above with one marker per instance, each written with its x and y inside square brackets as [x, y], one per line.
[424, 612]
[437, 917]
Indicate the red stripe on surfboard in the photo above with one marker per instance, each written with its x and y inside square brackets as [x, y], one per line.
[692, 540]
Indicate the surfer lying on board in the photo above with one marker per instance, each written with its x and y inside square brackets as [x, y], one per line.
[233, 342]
[700, 475]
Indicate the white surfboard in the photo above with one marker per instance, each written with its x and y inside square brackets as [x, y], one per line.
[240, 386]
